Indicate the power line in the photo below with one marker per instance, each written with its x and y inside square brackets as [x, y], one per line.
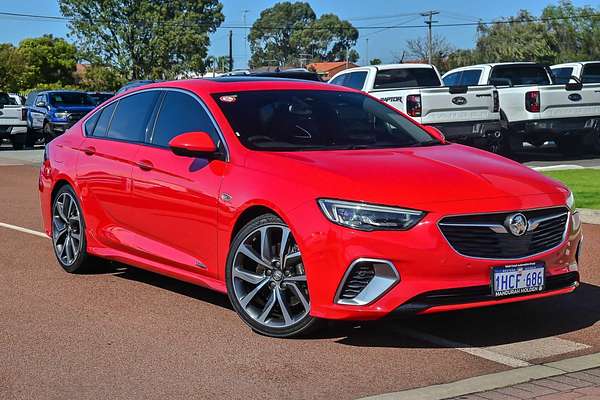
[371, 27]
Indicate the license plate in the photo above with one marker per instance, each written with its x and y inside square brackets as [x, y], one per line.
[518, 279]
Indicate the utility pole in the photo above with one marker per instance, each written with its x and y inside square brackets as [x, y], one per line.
[244, 12]
[230, 51]
[367, 51]
[429, 14]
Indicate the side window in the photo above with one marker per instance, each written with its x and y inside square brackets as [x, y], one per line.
[356, 80]
[562, 75]
[91, 122]
[181, 113]
[31, 99]
[591, 73]
[38, 99]
[452, 79]
[104, 120]
[131, 117]
[339, 80]
[470, 77]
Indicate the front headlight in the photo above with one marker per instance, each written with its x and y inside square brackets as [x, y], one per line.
[368, 217]
[571, 201]
[61, 115]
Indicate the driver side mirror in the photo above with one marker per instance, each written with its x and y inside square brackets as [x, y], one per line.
[41, 104]
[435, 132]
[194, 144]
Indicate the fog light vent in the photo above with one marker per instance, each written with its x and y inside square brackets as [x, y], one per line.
[358, 278]
[365, 281]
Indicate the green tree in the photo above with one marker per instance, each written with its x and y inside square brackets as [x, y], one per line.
[375, 61]
[47, 60]
[144, 38]
[572, 32]
[11, 68]
[518, 38]
[101, 78]
[289, 32]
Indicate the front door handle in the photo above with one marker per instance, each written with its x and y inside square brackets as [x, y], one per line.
[90, 150]
[145, 165]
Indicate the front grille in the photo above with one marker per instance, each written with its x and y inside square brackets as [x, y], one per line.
[358, 278]
[485, 235]
[74, 117]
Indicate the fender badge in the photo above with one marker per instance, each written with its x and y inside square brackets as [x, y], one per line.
[230, 98]
[226, 197]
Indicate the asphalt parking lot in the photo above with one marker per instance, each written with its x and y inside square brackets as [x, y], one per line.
[120, 332]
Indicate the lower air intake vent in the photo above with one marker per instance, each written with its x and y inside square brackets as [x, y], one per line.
[365, 281]
[359, 277]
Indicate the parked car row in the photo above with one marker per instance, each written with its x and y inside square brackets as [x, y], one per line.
[44, 114]
[494, 106]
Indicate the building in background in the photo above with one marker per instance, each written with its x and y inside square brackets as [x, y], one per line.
[329, 69]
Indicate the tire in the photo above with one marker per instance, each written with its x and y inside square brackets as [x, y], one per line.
[594, 141]
[511, 144]
[68, 231]
[18, 142]
[269, 295]
[30, 138]
[47, 133]
[570, 146]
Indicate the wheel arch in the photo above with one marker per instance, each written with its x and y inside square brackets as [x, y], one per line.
[248, 214]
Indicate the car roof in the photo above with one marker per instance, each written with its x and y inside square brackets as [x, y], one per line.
[570, 64]
[241, 83]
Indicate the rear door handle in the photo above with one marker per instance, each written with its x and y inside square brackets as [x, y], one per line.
[145, 165]
[90, 151]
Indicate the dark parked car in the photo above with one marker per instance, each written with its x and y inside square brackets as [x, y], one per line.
[134, 84]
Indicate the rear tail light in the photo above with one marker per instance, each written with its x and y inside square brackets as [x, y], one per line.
[496, 101]
[532, 101]
[24, 114]
[413, 105]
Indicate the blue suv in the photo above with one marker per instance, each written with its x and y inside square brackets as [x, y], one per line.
[54, 111]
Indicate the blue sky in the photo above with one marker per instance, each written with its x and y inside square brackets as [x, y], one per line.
[384, 44]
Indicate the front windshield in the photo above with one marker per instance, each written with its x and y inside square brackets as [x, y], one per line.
[295, 120]
[70, 99]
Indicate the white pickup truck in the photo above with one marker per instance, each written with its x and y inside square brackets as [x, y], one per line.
[534, 108]
[467, 114]
[577, 72]
[13, 121]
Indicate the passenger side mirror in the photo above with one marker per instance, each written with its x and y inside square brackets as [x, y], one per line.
[435, 132]
[194, 144]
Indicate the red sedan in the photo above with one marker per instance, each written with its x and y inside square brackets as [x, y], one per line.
[303, 201]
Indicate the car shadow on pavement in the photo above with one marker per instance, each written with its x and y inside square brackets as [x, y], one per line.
[489, 326]
[160, 281]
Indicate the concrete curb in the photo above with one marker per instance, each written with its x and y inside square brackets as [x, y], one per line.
[589, 216]
[494, 381]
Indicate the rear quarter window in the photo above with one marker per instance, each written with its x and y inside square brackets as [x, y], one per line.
[591, 73]
[520, 75]
[405, 77]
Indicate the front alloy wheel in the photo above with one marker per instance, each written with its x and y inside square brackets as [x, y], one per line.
[266, 280]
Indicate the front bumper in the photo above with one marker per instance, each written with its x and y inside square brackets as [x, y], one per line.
[426, 264]
[58, 128]
[476, 133]
[549, 129]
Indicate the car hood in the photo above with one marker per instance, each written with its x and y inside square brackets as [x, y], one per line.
[411, 177]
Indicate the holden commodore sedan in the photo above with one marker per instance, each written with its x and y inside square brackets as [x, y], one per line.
[303, 201]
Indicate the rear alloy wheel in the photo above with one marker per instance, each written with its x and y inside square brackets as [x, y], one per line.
[266, 281]
[68, 231]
